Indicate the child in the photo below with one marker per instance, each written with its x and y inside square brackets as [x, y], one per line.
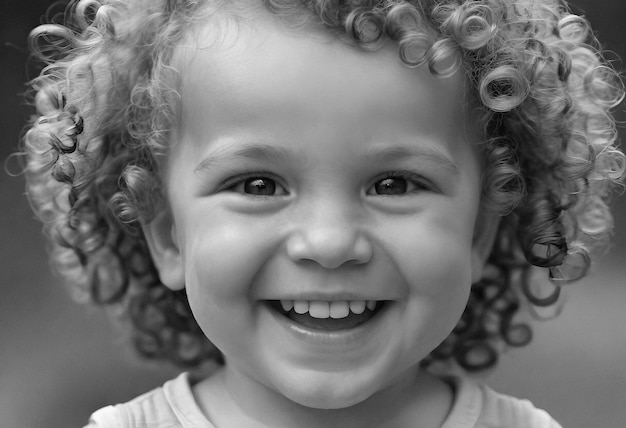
[326, 199]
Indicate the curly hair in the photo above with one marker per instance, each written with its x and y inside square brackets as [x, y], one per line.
[537, 80]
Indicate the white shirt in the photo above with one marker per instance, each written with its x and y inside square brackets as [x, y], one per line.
[173, 406]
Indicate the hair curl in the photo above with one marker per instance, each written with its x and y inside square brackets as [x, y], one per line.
[107, 98]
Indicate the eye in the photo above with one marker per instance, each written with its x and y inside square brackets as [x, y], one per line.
[391, 186]
[398, 183]
[258, 186]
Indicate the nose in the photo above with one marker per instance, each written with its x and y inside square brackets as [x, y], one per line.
[329, 236]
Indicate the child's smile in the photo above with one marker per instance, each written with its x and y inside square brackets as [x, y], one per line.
[324, 203]
[328, 315]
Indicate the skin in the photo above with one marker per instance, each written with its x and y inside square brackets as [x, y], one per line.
[323, 126]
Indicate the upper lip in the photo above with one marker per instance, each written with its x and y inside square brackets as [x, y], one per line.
[335, 297]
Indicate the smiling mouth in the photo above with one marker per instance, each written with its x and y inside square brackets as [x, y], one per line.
[328, 316]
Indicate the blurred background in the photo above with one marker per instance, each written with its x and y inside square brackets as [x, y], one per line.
[60, 361]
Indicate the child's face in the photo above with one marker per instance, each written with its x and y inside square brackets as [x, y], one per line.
[306, 170]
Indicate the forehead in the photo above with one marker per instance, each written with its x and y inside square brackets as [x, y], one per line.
[240, 68]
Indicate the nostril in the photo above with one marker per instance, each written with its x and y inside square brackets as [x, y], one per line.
[330, 250]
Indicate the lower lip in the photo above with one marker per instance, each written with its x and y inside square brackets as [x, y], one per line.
[333, 340]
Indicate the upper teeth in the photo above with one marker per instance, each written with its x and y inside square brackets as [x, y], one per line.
[324, 309]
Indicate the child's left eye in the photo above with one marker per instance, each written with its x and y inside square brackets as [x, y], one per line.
[397, 184]
[258, 185]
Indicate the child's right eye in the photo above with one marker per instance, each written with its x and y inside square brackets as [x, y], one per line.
[257, 185]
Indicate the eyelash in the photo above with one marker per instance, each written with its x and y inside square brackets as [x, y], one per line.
[232, 183]
[417, 181]
[412, 180]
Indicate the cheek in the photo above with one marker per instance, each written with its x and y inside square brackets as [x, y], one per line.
[220, 262]
[439, 283]
[435, 253]
[441, 268]
[434, 259]
[439, 287]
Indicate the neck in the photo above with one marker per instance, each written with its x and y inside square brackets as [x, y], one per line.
[415, 398]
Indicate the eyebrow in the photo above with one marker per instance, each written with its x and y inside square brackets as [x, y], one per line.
[399, 153]
[262, 152]
[269, 153]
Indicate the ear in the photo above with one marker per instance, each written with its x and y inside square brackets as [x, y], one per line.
[161, 238]
[485, 232]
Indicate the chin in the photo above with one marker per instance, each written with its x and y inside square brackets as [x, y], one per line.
[332, 394]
